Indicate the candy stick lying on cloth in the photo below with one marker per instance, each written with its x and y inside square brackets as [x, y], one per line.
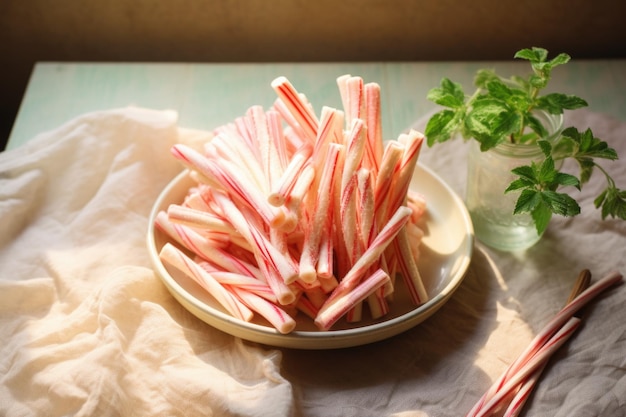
[544, 338]
[529, 366]
[520, 398]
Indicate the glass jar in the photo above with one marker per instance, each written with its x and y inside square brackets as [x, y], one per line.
[489, 174]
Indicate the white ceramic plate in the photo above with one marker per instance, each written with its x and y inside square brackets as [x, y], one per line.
[446, 251]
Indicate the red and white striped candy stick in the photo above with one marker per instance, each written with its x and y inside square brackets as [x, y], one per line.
[298, 107]
[197, 244]
[372, 253]
[329, 314]
[412, 144]
[530, 366]
[342, 85]
[237, 280]
[352, 97]
[330, 131]
[349, 222]
[377, 302]
[282, 321]
[243, 129]
[278, 261]
[519, 399]
[391, 159]
[548, 331]
[293, 132]
[198, 219]
[275, 129]
[374, 147]
[306, 306]
[366, 206]
[283, 185]
[325, 258]
[526, 387]
[233, 148]
[408, 268]
[270, 160]
[355, 144]
[230, 181]
[321, 216]
[177, 259]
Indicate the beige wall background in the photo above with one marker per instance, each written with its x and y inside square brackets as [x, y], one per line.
[295, 30]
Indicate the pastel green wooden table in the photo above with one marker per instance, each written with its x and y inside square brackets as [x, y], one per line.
[208, 95]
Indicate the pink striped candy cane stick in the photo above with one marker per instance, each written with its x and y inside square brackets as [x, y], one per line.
[548, 331]
[305, 306]
[330, 131]
[270, 160]
[277, 135]
[325, 261]
[329, 314]
[391, 159]
[242, 281]
[197, 244]
[298, 200]
[520, 398]
[530, 366]
[274, 259]
[349, 222]
[321, 217]
[342, 85]
[197, 219]
[355, 144]
[366, 206]
[234, 149]
[408, 268]
[372, 253]
[298, 107]
[283, 185]
[412, 145]
[374, 147]
[177, 259]
[351, 92]
[230, 181]
[243, 129]
[293, 132]
[282, 321]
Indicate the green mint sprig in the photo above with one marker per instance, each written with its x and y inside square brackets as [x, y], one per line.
[504, 110]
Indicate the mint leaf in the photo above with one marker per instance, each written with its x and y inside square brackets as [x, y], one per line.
[484, 77]
[526, 172]
[533, 55]
[441, 126]
[560, 203]
[612, 202]
[449, 94]
[490, 121]
[541, 216]
[555, 103]
[560, 59]
[527, 201]
[565, 179]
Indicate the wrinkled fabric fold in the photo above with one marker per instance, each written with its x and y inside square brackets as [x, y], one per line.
[87, 327]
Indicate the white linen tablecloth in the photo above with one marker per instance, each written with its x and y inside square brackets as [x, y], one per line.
[87, 328]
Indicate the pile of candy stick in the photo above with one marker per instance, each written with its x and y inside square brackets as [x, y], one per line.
[294, 213]
[508, 394]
